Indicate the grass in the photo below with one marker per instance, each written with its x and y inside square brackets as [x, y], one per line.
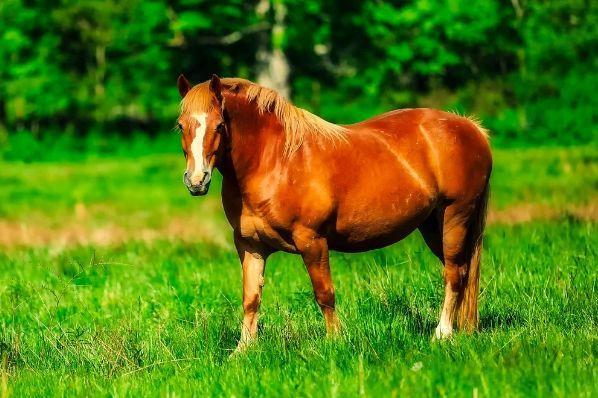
[162, 319]
[160, 316]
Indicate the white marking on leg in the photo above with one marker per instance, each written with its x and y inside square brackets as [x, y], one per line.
[197, 147]
[447, 316]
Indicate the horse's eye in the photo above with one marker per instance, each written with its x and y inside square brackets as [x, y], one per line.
[180, 127]
[220, 127]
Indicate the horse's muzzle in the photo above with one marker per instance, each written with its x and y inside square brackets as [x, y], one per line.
[200, 188]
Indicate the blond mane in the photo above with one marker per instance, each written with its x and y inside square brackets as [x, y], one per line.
[297, 123]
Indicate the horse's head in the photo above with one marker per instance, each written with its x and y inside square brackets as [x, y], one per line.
[202, 127]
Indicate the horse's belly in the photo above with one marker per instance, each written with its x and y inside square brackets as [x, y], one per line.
[377, 225]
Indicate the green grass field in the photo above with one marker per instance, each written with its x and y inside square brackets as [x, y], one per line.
[115, 282]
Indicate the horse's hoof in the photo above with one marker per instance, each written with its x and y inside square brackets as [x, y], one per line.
[241, 349]
[333, 332]
[333, 328]
[442, 334]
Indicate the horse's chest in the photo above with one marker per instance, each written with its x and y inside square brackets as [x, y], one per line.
[266, 231]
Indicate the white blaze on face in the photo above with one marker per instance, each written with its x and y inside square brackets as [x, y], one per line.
[197, 147]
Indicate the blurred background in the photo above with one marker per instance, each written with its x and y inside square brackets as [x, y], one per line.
[88, 78]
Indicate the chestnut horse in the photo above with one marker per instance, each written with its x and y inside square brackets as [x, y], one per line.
[296, 183]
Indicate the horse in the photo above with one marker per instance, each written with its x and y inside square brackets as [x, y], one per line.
[294, 182]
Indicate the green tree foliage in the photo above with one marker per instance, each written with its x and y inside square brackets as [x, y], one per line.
[557, 77]
[526, 67]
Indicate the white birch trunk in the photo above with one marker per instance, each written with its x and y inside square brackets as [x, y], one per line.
[273, 66]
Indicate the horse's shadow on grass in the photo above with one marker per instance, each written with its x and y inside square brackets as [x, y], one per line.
[493, 320]
[423, 320]
[418, 319]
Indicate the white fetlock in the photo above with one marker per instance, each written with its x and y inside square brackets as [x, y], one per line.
[443, 332]
[242, 347]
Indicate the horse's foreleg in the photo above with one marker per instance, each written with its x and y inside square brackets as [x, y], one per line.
[314, 251]
[253, 263]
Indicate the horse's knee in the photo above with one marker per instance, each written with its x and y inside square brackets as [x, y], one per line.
[251, 303]
[325, 297]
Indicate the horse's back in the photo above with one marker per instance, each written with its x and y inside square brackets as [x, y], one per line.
[450, 151]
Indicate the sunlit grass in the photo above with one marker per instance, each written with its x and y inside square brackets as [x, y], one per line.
[163, 318]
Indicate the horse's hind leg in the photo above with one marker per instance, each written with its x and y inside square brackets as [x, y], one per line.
[463, 224]
[453, 244]
[431, 230]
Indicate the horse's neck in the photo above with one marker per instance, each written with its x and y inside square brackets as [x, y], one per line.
[256, 141]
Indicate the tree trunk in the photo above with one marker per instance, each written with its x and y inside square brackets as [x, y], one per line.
[272, 65]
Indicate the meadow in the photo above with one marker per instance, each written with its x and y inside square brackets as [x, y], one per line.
[115, 282]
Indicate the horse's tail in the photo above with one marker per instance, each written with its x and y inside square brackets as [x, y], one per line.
[468, 316]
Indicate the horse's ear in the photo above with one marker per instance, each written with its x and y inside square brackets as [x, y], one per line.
[216, 88]
[183, 85]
